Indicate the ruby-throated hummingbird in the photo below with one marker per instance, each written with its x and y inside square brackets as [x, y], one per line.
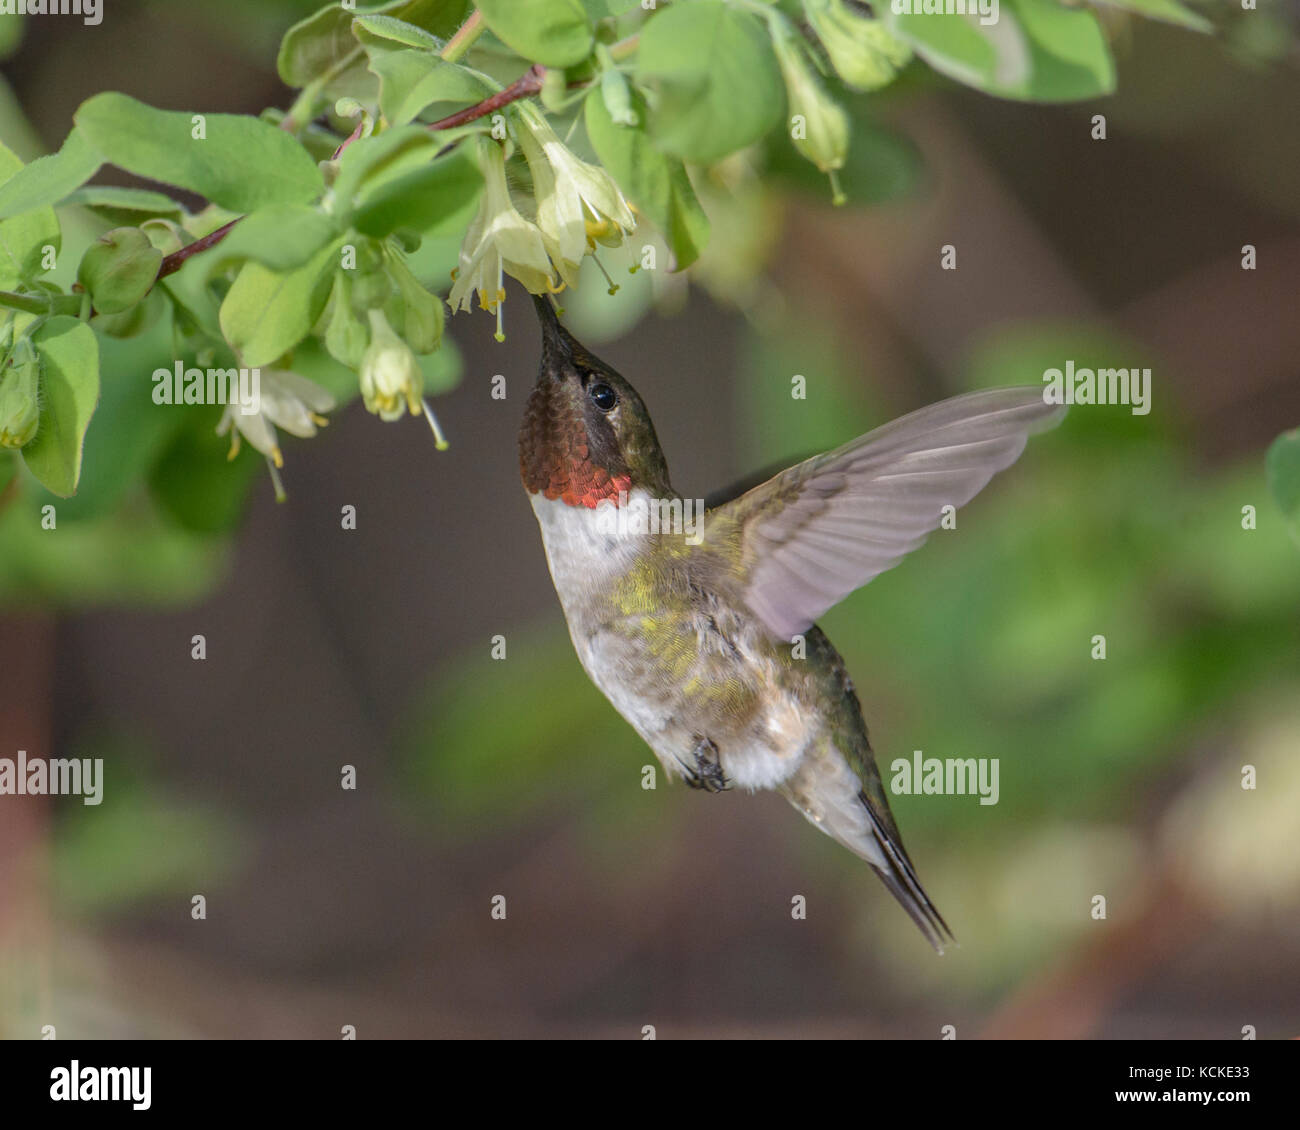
[706, 644]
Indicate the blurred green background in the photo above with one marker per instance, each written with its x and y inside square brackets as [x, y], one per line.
[479, 777]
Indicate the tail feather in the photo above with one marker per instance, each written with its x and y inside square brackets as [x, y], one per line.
[899, 876]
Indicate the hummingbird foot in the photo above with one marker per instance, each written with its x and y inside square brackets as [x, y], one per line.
[707, 774]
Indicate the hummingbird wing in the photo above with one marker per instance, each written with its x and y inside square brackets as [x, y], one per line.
[827, 526]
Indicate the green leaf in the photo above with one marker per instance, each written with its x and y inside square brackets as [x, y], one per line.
[656, 184]
[322, 41]
[281, 237]
[47, 180]
[265, 313]
[1282, 466]
[427, 199]
[555, 33]
[410, 81]
[1167, 11]
[23, 238]
[241, 163]
[399, 31]
[719, 86]
[1037, 51]
[1070, 57]
[124, 205]
[119, 269]
[69, 356]
[373, 159]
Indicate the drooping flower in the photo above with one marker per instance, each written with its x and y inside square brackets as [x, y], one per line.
[392, 381]
[578, 204]
[499, 241]
[285, 400]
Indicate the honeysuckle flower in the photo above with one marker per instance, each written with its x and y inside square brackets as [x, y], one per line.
[819, 126]
[286, 400]
[392, 381]
[19, 403]
[578, 204]
[499, 241]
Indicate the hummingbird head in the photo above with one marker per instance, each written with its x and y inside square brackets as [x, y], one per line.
[586, 435]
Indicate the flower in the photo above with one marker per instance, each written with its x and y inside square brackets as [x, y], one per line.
[391, 378]
[284, 400]
[577, 204]
[499, 240]
[19, 404]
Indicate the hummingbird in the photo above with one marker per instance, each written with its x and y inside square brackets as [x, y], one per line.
[707, 645]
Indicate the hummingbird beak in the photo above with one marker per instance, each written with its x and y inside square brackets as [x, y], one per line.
[557, 343]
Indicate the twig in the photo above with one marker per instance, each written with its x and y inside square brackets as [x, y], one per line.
[177, 259]
[530, 82]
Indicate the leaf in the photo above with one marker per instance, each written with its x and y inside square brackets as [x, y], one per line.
[719, 85]
[114, 202]
[424, 200]
[69, 391]
[655, 183]
[1036, 51]
[281, 237]
[1282, 466]
[410, 81]
[391, 153]
[242, 163]
[23, 238]
[265, 313]
[47, 180]
[1070, 57]
[321, 41]
[388, 27]
[1167, 11]
[555, 33]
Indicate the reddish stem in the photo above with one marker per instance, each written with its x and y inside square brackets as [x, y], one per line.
[530, 82]
[176, 260]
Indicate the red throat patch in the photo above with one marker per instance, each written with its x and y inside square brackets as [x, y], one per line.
[555, 458]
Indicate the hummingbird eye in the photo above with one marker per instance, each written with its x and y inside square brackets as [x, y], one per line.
[602, 396]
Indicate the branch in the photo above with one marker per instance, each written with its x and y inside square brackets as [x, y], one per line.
[177, 259]
[530, 82]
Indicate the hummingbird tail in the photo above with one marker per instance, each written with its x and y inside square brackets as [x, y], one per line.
[899, 876]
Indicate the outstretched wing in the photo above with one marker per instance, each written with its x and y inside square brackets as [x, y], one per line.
[827, 526]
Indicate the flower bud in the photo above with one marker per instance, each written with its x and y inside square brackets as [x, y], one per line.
[119, 269]
[19, 407]
[819, 125]
[865, 53]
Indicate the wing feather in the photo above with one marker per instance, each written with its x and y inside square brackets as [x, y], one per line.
[827, 526]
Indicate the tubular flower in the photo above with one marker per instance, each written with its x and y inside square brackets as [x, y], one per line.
[499, 241]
